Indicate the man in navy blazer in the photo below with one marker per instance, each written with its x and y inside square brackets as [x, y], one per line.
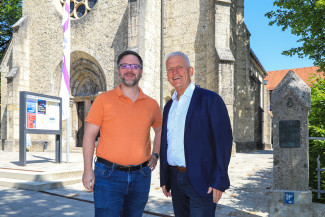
[196, 143]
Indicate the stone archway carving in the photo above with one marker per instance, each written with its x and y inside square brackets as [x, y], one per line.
[86, 78]
[86, 81]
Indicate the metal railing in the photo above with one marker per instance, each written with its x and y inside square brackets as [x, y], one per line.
[319, 170]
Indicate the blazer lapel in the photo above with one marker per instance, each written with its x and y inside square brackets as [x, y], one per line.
[166, 110]
[193, 104]
[165, 119]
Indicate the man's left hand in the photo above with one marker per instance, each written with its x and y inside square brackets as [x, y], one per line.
[152, 162]
[216, 194]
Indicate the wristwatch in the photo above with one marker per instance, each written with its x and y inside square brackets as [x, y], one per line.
[156, 155]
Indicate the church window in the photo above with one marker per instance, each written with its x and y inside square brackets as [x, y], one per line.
[79, 8]
[91, 3]
[71, 8]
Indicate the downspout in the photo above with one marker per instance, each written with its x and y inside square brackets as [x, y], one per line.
[263, 107]
[162, 55]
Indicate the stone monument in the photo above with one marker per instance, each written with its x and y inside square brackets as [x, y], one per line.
[290, 104]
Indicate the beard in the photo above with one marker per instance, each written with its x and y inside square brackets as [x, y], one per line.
[130, 83]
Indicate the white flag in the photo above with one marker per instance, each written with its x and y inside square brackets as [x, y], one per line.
[65, 80]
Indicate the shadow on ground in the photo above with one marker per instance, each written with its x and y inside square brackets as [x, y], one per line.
[17, 202]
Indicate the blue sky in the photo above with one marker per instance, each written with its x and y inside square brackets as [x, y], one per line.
[268, 42]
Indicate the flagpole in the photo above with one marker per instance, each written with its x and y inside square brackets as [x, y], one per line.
[68, 106]
[65, 80]
[68, 137]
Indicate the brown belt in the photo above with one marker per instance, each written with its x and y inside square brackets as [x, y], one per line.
[180, 169]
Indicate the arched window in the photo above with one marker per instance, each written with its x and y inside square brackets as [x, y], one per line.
[79, 8]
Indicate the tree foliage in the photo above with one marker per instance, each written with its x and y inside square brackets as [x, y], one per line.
[317, 129]
[10, 12]
[305, 19]
[317, 112]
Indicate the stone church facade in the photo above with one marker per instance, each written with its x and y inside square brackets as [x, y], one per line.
[211, 32]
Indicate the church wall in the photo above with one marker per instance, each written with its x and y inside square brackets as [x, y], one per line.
[189, 26]
[244, 123]
[45, 45]
[267, 121]
[181, 21]
[225, 61]
[5, 68]
[15, 66]
[255, 91]
[149, 47]
[101, 35]
[197, 28]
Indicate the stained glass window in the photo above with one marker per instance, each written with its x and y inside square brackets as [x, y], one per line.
[79, 8]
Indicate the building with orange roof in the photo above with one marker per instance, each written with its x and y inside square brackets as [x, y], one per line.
[273, 78]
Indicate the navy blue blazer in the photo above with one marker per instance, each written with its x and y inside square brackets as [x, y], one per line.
[207, 141]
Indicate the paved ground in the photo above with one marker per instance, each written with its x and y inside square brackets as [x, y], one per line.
[250, 175]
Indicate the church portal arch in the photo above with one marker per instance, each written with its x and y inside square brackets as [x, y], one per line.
[87, 79]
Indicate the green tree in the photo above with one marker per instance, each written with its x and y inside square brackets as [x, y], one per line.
[10, 12]
[305, 19]
[317, 129]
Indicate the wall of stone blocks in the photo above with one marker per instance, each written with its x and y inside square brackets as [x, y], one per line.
[17, 57]
[244, 111]
[188, 25]
[98, 37]
[150, 47]
[267, 133]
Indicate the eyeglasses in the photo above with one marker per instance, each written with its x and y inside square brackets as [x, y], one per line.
[130, 66]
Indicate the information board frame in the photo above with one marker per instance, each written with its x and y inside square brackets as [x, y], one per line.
[27, 121]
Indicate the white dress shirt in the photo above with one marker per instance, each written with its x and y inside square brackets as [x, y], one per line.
[176, 126]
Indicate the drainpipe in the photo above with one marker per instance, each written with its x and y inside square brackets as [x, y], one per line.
[162, 55]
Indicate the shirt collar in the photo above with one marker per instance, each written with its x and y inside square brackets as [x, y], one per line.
[120, 92]
[188, 92]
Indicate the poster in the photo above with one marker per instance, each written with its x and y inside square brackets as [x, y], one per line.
[41, 107]
[42, 113]
[31, 113]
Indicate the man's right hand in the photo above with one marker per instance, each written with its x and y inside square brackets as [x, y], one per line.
[166, 193]
[88, 179]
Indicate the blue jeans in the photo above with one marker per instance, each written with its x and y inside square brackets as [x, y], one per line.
[120, 194]
[186, 201]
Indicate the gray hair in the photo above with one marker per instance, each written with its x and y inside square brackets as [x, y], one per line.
[178, 53]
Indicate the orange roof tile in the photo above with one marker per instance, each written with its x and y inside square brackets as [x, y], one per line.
[274, 77]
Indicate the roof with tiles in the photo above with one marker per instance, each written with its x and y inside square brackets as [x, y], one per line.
[274, 77]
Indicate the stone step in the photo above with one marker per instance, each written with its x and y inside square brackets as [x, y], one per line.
[38, 185]
[38, 176]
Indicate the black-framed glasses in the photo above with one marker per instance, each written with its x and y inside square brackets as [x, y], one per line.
[130, 66]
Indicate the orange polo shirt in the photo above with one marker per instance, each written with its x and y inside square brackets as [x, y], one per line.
[124, 126]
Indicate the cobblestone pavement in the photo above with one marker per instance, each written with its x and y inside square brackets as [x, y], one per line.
[250, 176]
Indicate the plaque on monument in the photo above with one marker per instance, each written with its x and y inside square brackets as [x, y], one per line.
[289, 134]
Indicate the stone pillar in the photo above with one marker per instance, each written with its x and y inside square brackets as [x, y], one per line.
[17, 80]
[244, 91]
[290, 105]
[144, 37]
[267, 130]
[136, 26]
[225, 58]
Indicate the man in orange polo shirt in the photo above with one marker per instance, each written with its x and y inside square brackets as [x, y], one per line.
[124, 116]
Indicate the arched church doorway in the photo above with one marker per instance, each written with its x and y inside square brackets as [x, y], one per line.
[86, 81]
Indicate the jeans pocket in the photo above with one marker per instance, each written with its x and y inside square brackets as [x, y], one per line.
[103, 171]
[145, 171]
